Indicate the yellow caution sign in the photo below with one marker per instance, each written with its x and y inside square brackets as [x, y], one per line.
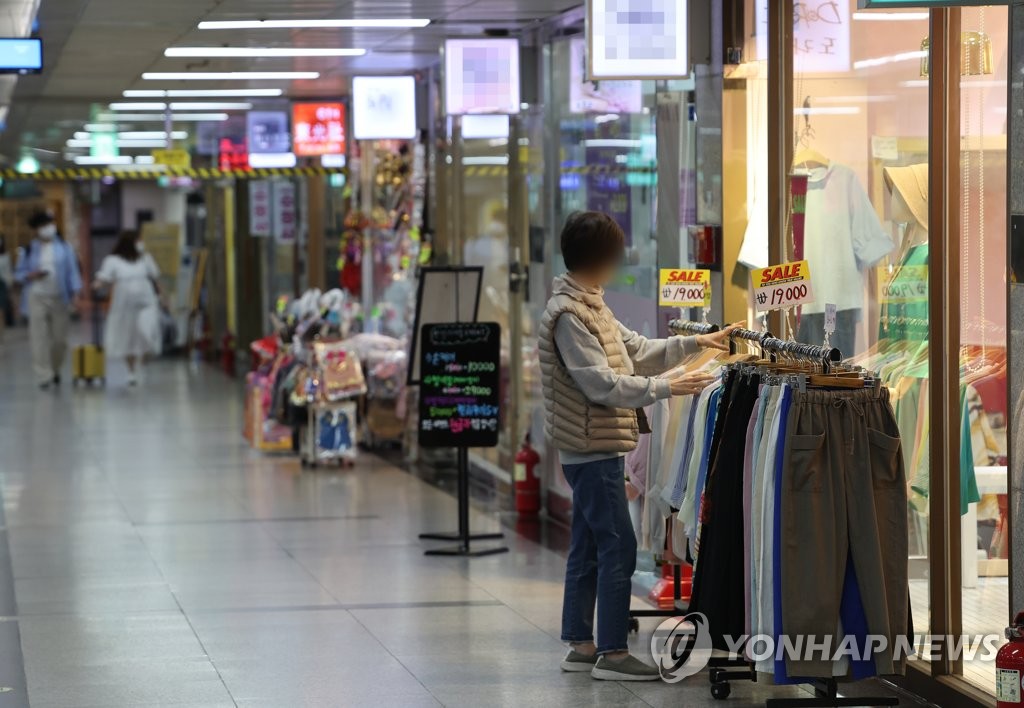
[177, 158]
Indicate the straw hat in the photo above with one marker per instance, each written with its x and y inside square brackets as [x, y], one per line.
[911, 182]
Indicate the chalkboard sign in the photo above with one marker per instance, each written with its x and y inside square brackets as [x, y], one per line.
[459, 382]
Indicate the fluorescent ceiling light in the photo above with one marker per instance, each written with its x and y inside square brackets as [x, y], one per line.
[100, 127]
[332, 161]
[145, 160]
[77, 143]
[211, 106]
[191, 106]
[891, 59]
[139, 135]
[151, 106]
[112, 160]
[889, 16]
[204, 93]
[160, 117]
[262, 52]
[395, 23]
[144, 93]
[229, 75]
[264, 160]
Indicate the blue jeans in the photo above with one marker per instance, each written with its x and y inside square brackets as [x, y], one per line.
[602, 556]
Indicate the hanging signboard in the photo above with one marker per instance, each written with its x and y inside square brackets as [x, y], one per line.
[284, 212]
[318, 129]
[460, 380]
[681, 287]
[260, 211]
[637, 39]
[599, 97]
[781, 286]
[384, 107]
[481, 76]
[267, 131]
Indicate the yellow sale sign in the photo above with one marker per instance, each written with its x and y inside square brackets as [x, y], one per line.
[684, 287]
[780, 286]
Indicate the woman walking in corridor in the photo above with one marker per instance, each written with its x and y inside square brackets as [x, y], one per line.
[133, 322]
[595, 374]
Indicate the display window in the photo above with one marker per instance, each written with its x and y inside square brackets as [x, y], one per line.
[861, 172]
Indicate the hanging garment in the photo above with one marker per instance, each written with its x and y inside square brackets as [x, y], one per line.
[843, 470]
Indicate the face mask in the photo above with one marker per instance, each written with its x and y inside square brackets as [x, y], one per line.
[139, 247]
[48, 232]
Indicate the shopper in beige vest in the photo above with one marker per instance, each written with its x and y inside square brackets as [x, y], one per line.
[595, 374]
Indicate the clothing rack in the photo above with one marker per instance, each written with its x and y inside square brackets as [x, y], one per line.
[688, 327]
[723, 670]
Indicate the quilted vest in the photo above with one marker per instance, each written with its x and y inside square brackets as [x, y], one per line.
[571, 422]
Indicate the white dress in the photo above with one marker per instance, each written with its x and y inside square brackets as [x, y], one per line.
[133, 322]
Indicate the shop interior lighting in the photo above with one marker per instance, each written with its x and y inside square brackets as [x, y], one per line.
[271, 160]
[204, 93]
[869, 15]
[890, 59]
[229, 75]
[827, 111]
[612, 143]
[389, 23]
[486, 160]
[262, 52]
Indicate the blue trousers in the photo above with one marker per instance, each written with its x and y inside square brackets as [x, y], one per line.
[602, 556]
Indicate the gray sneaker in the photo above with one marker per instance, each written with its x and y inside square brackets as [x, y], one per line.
[577, 662]
[628, 669]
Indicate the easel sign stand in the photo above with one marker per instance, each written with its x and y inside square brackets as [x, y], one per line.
[449, 298]
[460, 405]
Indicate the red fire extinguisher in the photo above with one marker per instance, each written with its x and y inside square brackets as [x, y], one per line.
[527, 482]
[1010, 667]
[227, 353]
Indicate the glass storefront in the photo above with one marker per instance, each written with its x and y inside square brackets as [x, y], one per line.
[859, 146]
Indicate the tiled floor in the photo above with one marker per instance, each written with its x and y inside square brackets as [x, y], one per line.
[156, 561]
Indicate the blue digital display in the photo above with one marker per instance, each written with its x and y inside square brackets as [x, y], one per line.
[21, 56]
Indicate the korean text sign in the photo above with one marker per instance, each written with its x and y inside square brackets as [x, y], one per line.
[460, 377]
[318, 129]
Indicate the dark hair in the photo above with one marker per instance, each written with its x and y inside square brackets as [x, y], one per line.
[591, 239]
[40, 218]
[126, 247]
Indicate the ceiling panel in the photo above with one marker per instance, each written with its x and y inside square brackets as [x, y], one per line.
[95, 49]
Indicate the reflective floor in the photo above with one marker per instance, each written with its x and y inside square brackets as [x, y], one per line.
[154, 560]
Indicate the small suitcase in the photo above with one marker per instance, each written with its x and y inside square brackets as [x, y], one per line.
[87, 361]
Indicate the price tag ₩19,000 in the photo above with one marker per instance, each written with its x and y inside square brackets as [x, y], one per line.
[684, 287]
[781, 286]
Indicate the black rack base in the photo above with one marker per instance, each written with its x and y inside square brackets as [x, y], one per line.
[465, 551]
[456, 536]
